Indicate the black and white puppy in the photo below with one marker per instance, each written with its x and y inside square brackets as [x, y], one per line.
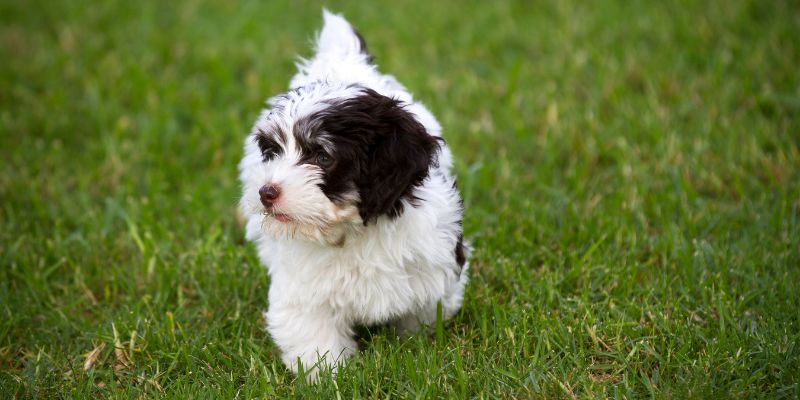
[348, 196]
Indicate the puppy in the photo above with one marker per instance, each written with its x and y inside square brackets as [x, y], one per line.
[348, 196]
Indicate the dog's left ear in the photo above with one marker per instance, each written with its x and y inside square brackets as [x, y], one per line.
[402, 154]
[397, 152]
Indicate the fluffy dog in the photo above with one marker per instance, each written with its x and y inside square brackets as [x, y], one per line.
[348, 196]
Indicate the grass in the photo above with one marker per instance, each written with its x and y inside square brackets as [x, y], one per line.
[630, 169]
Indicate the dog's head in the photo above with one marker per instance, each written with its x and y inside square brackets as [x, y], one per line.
[327, 158]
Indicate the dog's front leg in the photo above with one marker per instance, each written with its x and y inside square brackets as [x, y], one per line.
[317, 337]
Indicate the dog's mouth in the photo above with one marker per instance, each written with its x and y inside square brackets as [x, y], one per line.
[278, 216]
[282, 217]
[325, 229]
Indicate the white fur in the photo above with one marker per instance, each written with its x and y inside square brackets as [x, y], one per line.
[392, 270]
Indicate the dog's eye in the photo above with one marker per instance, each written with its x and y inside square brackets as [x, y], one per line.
[324, 160]
[269, 149]
[269, 154]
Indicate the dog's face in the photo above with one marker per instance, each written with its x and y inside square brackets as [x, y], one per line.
[332, 159]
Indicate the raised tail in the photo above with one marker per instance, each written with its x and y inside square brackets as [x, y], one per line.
[340, 38]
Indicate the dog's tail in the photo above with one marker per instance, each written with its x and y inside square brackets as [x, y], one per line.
[340, 38]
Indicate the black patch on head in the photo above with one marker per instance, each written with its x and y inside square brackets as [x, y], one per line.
[363, 44]
[314, 143]
[382, 151]
[268, 145]
[306, 130]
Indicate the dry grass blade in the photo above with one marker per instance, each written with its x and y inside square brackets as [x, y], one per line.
[122, 359]
[156, 385]
[92, 356]
[119, 352]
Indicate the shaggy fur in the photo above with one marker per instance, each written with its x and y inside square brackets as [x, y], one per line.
[349, 199]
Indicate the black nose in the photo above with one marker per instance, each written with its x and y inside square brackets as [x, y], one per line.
[268, 194]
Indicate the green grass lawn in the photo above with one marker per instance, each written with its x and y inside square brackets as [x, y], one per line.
[631, 172]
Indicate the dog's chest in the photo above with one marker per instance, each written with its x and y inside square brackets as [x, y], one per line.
[366, 284]
[369, 292]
